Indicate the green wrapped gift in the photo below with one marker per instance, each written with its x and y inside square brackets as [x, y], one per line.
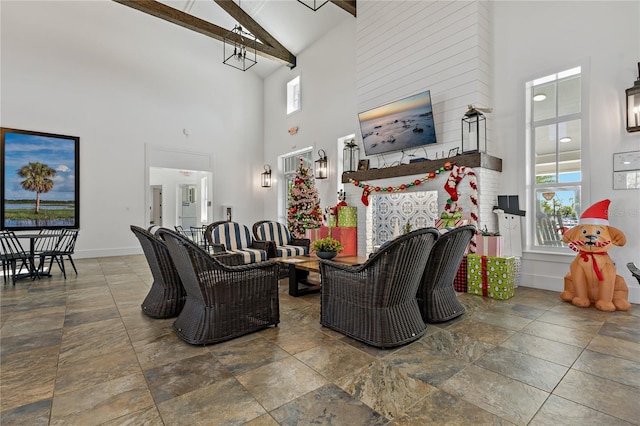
[491, 276]
[348, 217]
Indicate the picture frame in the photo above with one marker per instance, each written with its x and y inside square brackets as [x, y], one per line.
[454, 151]
[623, 161]
[51, 202]
[626, 179]
[363, 165]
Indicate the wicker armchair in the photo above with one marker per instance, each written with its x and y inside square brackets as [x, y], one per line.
[223, 302]
[376, 302]
[167, 296]
[282, 243]
[233, 237]
[436, 296]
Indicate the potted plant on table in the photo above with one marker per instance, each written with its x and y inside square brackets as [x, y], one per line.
[327, 248]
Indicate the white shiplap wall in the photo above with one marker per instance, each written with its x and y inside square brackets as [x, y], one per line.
[447, 51]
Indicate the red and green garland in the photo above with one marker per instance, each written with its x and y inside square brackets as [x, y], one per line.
[368, 189]
[451, 209]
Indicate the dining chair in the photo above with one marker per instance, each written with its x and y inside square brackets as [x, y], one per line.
[65, 247]
[12, 253]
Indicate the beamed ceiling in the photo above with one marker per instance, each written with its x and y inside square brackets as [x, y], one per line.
[267, 46]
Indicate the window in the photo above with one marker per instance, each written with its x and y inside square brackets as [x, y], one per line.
[293, 95]
[290, 163]
[554, 111]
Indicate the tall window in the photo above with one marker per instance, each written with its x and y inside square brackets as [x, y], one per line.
[290, 163]
[554, 111]
[293, 95]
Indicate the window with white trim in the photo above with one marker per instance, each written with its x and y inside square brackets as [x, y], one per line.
[293, 95]
[554, 125]
[290, 164]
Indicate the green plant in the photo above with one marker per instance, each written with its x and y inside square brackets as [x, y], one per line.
[406, 228]
[327, 244]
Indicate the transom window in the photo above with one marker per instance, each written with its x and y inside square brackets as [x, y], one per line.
[554, 110]
[293, 95]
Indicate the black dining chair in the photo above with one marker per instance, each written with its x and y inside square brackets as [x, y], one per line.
[13, 254]
[65, 246]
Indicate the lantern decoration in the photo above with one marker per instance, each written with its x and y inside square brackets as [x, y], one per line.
[474, 131]
[266, 176]
[350, 156]
[321, 165]
[633, 105]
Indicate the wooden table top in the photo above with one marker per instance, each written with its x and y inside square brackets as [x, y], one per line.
[312, 263]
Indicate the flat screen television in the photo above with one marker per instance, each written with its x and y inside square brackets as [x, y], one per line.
[400, 125]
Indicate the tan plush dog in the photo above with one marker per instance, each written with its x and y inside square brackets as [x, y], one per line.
[592, 275]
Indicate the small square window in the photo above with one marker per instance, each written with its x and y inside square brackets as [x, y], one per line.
[293, 95]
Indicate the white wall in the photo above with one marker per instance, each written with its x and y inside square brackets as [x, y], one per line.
[407, 47]
[327, 80]
[120, 79]
[532, 39]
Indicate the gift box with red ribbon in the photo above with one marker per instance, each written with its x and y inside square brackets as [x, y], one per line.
[491, 276]
[460, 280]
[347, 236]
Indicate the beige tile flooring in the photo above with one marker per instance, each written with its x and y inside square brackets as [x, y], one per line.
[80, 352]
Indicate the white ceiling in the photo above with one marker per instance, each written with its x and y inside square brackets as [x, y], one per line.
[293, 24]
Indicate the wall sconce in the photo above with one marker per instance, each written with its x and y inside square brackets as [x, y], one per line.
[266, 176]
[321, 165]
[633, 105]
[314, 4]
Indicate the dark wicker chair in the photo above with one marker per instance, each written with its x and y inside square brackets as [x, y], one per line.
[436, 296]
[634, 271]
[167, 295]
[223, 302]
[376, 302]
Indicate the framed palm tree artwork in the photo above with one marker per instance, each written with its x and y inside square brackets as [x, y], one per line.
[40, 180]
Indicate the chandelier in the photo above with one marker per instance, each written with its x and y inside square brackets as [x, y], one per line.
[314, 4]
[239, 49]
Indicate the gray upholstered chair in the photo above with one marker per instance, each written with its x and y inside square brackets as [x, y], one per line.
[436, 296]
[223, 302]
[376, 302]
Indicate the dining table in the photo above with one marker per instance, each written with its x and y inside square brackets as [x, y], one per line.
[33, 237]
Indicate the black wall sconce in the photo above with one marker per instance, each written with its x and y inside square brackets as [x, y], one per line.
[321, 165]
[266, 176]
[633, 105]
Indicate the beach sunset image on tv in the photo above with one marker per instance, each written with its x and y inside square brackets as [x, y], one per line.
[401, 125]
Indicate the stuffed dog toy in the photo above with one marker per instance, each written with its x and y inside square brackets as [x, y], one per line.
[592, 275]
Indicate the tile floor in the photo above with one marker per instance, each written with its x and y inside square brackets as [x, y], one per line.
[80, 352]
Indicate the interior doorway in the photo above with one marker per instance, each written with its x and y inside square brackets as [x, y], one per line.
[156, 205]
[179, 197]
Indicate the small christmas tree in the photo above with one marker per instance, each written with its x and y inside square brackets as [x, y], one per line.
[304, 203]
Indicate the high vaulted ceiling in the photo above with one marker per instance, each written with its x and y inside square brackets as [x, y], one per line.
[284, 27]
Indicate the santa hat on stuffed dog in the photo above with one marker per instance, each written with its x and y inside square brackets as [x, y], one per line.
[597, 214]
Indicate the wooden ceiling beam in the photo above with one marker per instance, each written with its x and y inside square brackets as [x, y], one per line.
[266, 45]
[347, 5]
